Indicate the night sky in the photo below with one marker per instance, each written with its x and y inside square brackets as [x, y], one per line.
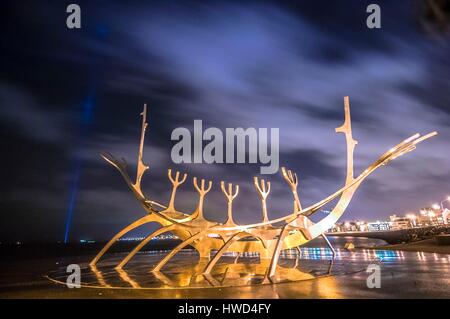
[67, 95]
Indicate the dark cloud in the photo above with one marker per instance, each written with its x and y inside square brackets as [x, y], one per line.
[67, 95]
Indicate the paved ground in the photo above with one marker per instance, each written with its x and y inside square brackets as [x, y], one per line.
[403, 275]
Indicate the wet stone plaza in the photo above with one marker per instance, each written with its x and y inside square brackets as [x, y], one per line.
[308, 273]
[185, 271]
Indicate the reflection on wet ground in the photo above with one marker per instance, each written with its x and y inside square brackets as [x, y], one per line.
[186, 270]
[305, 275]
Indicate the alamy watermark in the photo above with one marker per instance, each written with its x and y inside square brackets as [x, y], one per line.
[373, 21]
[231, 147]
[374, 279]
[74, 278]
[73, 20]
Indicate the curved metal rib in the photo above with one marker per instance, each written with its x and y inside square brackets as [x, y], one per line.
[144, 242]
[277, 251]
[174, 251]
[225, 247]
[139, 222]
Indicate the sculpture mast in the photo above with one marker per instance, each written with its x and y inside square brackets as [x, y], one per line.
[346, 128]
[141, 167]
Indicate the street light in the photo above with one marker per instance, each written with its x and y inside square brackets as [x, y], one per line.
[347, 226]
[445, 200]
[412, 219]
[431, 215]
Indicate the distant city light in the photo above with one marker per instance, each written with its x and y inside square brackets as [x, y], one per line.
[160, 237]
[87, 241]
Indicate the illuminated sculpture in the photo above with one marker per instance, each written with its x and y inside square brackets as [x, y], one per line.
[268, 240]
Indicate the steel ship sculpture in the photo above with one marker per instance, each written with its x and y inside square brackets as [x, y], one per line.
[267, 237]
